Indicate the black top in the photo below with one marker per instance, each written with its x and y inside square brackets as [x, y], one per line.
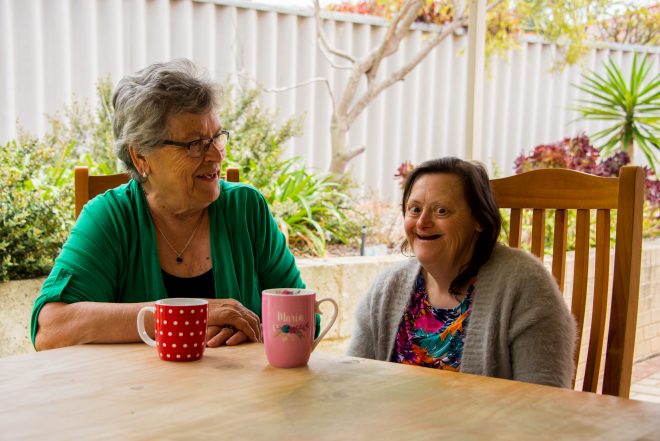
[198, 287]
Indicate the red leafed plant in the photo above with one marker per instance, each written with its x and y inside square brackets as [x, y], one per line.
[363, 7]
[436, 12]
[579, 154]
[573, 153]
[403, 171]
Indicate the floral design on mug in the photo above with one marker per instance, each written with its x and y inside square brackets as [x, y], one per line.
[287, 331]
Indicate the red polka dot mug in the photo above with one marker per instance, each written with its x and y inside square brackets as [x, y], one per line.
[180, 327]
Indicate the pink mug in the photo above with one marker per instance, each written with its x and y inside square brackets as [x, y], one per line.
[289, 321]
[180, 327]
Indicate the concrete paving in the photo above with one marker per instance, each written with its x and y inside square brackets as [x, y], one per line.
[646, 380]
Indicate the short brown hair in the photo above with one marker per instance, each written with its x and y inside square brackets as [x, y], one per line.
[479, 196]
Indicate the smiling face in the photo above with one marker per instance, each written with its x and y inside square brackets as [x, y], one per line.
[438, 222]
[176, 181]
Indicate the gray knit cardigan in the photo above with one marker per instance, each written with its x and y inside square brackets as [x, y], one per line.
[519, 328]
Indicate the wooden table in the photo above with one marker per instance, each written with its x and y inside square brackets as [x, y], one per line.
[124, 392]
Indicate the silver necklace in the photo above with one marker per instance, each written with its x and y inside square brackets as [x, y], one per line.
[179, 255]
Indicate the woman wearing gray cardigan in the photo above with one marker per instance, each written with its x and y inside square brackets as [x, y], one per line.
[464, 303]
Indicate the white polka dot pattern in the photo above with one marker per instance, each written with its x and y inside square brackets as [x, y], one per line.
[180, 332]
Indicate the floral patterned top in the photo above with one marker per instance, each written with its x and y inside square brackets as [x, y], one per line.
[432, 337]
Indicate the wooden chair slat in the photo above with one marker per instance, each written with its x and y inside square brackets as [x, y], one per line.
[559, 247]
[515, 228]
[580, 273]
[100, 184]
[599, 312]
[625, 284]
[232, 174]
[538, 233]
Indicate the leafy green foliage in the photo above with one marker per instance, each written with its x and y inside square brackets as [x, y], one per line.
[316, 209]
[257, 139]
[89, 132]
[632, 109]
[632, 25]
[566, 22]
[35, 208]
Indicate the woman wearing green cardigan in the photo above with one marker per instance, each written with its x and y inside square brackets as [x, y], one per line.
[175, 230]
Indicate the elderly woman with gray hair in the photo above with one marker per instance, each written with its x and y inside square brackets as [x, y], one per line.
[175, 230]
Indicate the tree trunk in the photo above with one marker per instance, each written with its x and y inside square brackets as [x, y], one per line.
[338, 162]
[340, 156]
[630, 149]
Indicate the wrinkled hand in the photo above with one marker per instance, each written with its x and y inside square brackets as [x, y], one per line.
[231, 323]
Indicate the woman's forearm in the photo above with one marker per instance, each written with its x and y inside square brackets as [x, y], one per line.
[62, 324]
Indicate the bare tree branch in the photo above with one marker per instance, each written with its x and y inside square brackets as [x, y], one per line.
[355, 152]
[372, 92]
[369, 64]
[349, 91]
[395, 33]
[334, 65]
[294, 86]
[320, 35]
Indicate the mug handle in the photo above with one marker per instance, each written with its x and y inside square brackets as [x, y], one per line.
[332, 320]
[140, 324]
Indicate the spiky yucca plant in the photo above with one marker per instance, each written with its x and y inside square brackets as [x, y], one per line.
[632, 108]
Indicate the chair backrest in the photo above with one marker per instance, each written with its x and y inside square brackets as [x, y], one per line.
[568, 190]
[88, 186]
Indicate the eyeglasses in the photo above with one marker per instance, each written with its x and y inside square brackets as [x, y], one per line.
[199, 147]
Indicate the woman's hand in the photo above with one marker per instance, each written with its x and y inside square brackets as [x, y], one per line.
[224, 335]
[231, 323]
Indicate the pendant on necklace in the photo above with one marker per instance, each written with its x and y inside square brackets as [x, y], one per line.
[179, 259]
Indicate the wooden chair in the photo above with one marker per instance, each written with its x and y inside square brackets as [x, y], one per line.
[565, 190]
[88, 186]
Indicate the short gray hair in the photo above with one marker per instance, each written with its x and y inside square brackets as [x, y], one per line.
[143, 102]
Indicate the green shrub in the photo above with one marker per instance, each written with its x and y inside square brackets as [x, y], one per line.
[85, 136]
[35, 212]
[316, 209]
